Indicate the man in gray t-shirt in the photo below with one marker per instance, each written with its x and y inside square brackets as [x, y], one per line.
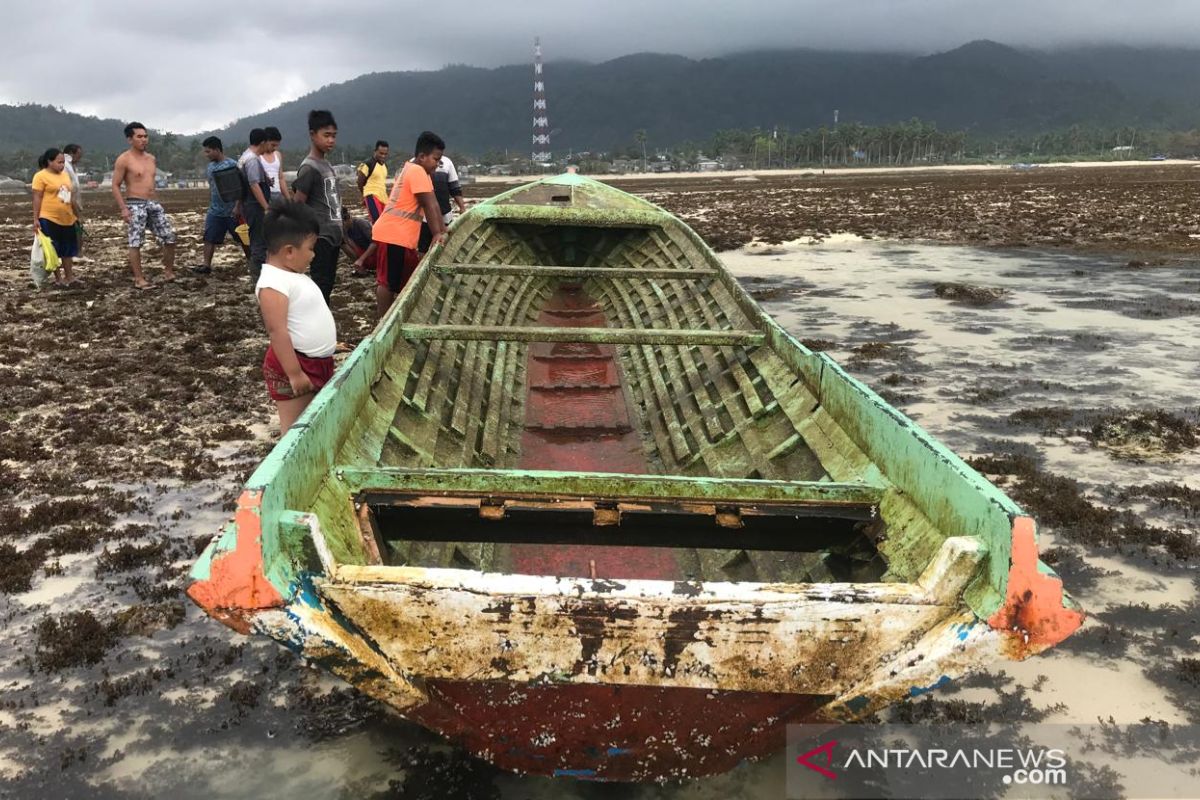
[319, 184]
[316, 186]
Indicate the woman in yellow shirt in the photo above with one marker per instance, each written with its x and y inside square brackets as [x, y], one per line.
[54, 213]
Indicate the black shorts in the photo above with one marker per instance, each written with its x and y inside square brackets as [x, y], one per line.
[426, 238]
[395, 266]
[323, 269]
[64, 237]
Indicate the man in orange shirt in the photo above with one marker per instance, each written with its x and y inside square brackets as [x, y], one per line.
[398, 228]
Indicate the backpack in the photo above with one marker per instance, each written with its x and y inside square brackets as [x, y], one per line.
[231, 184]
[370, 164]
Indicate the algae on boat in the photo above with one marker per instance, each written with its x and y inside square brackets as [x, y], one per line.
[578, 490]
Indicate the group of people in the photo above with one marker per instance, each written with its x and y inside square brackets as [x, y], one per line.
[409, 195]
[58, 205]
[241, 192]
[383, 244]
[295, 233]
[302, 237]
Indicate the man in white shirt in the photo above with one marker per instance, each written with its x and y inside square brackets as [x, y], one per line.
[258, 138]
[445, 188]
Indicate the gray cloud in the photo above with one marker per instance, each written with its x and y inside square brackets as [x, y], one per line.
[184, 67]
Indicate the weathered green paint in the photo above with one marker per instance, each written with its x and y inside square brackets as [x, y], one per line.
[496, 333]
[901, 450]
[370, 413]
[734, 418]
[958, 500]
[579, 273]
[606, 485]
[588, 217]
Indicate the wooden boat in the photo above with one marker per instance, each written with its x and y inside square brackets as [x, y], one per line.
[579, 505]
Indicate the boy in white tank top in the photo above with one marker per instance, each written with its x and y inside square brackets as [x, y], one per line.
[272, 161]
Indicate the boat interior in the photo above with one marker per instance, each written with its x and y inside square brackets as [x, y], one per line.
[615, 369]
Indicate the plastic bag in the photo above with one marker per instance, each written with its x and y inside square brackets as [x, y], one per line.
[43, 259]
[51, 255]
[37, 263]
[243, 232]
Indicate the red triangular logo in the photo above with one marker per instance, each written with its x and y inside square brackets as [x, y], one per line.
[827, 749]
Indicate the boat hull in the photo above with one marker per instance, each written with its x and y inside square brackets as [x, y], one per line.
[612, 733]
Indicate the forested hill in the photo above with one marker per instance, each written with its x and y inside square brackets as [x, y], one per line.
[982, 87]
[33, 128]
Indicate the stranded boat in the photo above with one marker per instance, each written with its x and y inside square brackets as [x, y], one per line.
[579, 505]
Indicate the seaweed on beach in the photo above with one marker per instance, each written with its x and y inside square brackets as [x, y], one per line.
[1136, 434]
[1060, 503]
[433, 774]
[1130, 434]
[17, 567]
[1011, 705]
[969, 295]
[73, 639]
[1166, 495]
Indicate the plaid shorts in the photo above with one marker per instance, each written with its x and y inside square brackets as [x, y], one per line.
[148, 213]
[318, 370]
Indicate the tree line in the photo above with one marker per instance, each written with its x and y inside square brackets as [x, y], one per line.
[914, 142]
[181, 156]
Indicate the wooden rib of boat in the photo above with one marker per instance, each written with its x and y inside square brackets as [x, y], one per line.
[579, 505]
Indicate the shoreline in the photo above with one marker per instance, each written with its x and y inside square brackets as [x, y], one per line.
[841, 171]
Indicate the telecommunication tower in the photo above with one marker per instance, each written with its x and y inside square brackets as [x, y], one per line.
[541, 121]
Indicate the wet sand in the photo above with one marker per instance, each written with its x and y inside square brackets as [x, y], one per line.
[1147, 213]
[130, 421]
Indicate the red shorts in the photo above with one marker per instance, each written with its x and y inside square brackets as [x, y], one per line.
[394, 265]
[318, 370]
[374, 206]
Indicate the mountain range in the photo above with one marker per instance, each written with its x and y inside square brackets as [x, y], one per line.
[983, 87]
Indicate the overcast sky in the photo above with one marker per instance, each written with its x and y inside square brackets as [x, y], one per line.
[184, 66]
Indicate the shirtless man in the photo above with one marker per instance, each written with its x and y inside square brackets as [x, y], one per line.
[135, 168]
